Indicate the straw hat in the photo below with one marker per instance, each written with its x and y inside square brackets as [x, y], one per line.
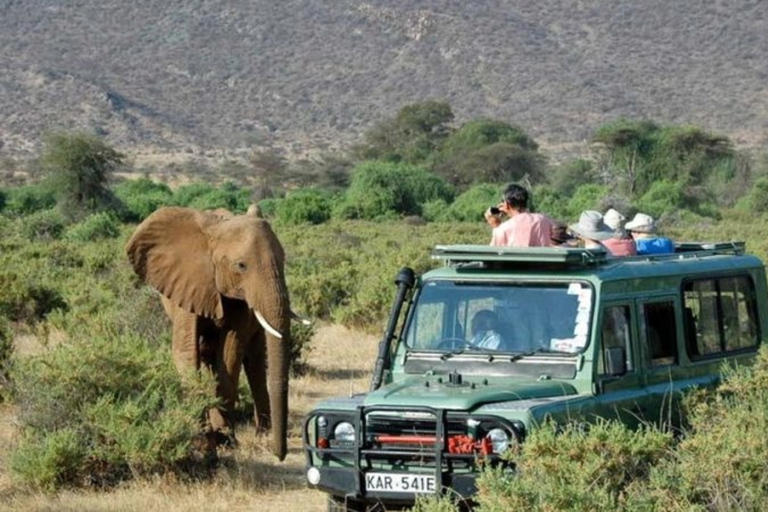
[642, 223]
[614, 219]
[591, 226]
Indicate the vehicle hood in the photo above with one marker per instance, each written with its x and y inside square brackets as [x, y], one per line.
[466, 396]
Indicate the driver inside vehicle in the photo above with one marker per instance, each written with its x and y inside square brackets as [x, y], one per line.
[484, 330]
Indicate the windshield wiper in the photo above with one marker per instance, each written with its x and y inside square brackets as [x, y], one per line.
[521, 355]
[459, 351]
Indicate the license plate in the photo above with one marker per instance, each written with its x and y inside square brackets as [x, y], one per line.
[399, 482]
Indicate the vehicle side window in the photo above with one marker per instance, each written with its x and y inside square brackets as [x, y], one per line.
[660, 330]
[720, 315]
[615, 332]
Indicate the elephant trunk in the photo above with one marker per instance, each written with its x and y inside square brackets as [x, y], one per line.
[278, 366]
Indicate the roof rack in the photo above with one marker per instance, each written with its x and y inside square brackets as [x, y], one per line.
[465, 255]
[711, 247]
[486, 256]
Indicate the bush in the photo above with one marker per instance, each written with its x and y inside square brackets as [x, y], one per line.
[228, 196]
[662, 197]
[28, 199]
[571, 469]
[304, 206]
[141, 197]
[756, 200]
[470, 205]
[382, 189]
[103, 410]
[44, 225]
[586, 197]
[186, 194]
[720, 463]
[6, 351]
[301, 336]
[25, 300]
[98, 225]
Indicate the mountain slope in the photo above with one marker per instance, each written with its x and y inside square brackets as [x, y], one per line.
[303, 74]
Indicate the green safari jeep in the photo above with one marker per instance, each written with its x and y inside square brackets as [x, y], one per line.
[480, 351]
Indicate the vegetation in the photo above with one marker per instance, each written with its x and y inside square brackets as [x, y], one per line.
[64, 276]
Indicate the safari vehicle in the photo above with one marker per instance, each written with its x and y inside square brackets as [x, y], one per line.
[579, 336]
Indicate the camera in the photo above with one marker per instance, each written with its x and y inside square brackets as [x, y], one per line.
[495, 211]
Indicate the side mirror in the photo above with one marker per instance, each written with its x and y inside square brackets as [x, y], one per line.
[615, 361]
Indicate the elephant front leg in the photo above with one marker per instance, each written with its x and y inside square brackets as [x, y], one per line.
[255, 366]
[226, 366]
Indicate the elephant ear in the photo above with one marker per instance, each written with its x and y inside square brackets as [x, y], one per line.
[170, 251]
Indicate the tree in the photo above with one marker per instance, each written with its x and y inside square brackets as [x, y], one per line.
[269, 168]
[79, 168]
[411, 136]
[488, 151]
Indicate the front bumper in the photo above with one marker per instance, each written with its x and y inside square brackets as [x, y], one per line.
[341, 470]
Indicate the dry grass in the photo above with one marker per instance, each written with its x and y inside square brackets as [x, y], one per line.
[249, 479]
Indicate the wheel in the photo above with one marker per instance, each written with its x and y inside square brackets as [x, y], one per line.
[336, 504]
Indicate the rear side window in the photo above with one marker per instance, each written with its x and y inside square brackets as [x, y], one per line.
[720, 315]
[661, 332]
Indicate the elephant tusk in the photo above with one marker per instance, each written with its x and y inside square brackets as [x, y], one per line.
[271, 330]
[301, 320]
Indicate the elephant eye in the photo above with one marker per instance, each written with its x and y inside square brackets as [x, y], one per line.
[241, 266]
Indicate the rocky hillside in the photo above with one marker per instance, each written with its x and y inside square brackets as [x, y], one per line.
[192, 75]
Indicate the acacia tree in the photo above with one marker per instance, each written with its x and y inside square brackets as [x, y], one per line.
[79, 168]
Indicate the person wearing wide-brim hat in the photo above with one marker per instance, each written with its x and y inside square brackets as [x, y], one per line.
[643, 229]
[591, 230]
[620, 244]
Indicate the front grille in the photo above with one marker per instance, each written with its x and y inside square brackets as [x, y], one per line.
[417, 435]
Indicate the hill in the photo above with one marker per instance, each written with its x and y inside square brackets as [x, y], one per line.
[201, 76]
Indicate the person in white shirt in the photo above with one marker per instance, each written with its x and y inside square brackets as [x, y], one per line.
[484, 335]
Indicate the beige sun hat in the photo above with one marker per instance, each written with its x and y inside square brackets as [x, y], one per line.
[642, 223]
[591, 226]
[614, 219]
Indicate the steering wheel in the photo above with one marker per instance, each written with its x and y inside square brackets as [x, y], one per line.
[454, 344]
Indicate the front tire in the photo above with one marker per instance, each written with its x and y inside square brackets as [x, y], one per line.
[336, 504]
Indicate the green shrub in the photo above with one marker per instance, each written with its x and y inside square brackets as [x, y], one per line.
[547, 200]
[44, 225]
[268, 206]
[28, 199]
[720, 462]
[756, 200]
[141, 197]
[94, 227]
[185, 194]
[383, 189]
[436, 211]
[470, 205]
[23, 299]
[569, 468]
[228, 196]
[586, 197]
[301, 337]
[304, 206]
[662, 197]
[103, 410]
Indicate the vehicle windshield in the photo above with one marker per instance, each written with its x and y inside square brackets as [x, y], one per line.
[521, 317]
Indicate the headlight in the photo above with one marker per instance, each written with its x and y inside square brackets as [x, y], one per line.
[499, 439]
[345, 432]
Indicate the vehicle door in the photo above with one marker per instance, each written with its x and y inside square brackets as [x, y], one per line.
[620, 391]
[660, 343]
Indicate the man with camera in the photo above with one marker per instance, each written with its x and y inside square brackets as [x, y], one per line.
[522, 228]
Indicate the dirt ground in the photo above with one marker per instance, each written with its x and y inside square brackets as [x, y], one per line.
[249, 478]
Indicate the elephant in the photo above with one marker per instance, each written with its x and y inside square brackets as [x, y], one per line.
[222, 281]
